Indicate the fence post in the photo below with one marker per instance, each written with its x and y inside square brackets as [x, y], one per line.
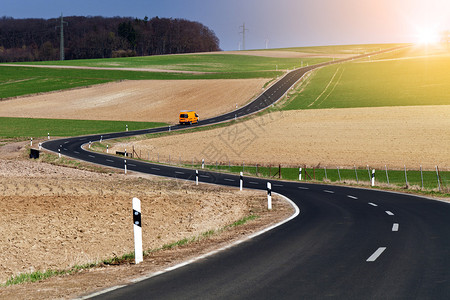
[373, 177]
[269, 196]
[356, 174]
[137, 225]
[387, 175]
[406, 178]
[300, 174]
[421, 175]
[241, 181]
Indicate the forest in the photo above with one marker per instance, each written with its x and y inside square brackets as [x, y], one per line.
[100, 37]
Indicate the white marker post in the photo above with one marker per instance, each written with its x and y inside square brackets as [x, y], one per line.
[40, 146]
[203, 163]
[59, 152]
[196, 177]
[101, 138]
[90, 143]
[125, 162]
[31, 142]
[269, 196]
[241, 181]
[126, 127]
[107, 148]
[137, 224]
[300, 174]
[169, 128]
[48, 135]
[373, 177]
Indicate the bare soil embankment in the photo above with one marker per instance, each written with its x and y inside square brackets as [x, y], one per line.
[392, 136]
[56, 217]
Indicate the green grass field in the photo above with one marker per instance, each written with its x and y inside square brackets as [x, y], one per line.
[217, 63]
[398, 82]
[24, 127]
[341, 49]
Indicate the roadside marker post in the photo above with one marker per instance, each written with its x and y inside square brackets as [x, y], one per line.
[137, 226]
[203, 163]
[40, 146]
[406, 178]
[107, 148]
[90, 143]
[59, 152]
[325, 169]
[241, 181]
[373, 177]
[101, 138]
[48, 135]
[31, 142]
[125, 162]
[269, 196]
[300, 174]
[196, 177]
[126, 127]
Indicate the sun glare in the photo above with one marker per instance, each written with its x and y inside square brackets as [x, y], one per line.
[427, 36]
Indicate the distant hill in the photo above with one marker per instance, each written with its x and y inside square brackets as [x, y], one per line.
[99, 37]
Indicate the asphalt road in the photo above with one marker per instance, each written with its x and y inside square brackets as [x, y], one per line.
[347, 243]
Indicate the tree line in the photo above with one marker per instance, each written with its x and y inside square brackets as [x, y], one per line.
[100, 37]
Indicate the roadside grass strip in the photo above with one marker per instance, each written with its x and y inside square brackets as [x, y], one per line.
[29, 127]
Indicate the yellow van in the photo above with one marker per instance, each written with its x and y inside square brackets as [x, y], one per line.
[188, 117]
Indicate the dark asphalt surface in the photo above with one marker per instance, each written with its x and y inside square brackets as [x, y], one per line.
[322, 253]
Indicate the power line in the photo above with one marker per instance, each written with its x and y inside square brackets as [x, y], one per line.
[243, 35]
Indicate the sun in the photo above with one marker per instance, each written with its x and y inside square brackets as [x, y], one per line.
[426, 36]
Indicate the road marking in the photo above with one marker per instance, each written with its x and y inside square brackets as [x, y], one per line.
[76, 152]
[132, 165]
[228, 179]
[91, 156]
[110, 160]
[277, 185]
[327, 191]
[66, 142]
[83, 139]
[376, 254]
[155, 169]
[373, 204]
[390, 213]
[352, 197]
[303, 188]
[176, 172]
[204, 176]
[395, 227]
[252, 182]
[65, 149]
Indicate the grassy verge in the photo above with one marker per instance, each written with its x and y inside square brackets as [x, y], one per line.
[127, 258]
[27, 127]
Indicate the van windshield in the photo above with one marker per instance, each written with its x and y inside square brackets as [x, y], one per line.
[183, 115]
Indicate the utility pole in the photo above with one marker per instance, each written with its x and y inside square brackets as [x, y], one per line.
[61, 42]
[243, 35]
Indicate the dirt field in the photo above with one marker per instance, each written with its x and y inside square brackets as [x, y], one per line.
[144, 100]
[55, 217]
[394, 136]
[287, 54]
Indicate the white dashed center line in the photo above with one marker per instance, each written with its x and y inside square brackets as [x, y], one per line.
[155, 169]
[303, 188]
[204, 176]
[91, 156]
[327, 191]
[277, 185]
[352, 197]
[376, 254]
[252, 182]
[373, 204]
[176, 172]
[110, 160]
[228, 179]
[132, 165]
[389, 213]
[395, 227]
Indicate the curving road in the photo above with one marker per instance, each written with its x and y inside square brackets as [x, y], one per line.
[347, 243]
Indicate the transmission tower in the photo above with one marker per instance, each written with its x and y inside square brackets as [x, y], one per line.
[243, 35]
[61, 42]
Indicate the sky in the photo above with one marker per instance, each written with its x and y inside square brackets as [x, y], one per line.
[270, 23]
